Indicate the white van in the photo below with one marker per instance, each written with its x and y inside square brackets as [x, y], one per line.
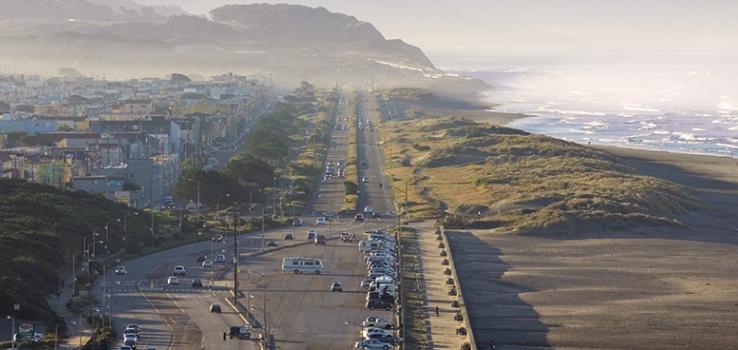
[302, 265]
[365, 246]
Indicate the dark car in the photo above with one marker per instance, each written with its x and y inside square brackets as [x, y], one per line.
[271, 243]
[289, 236]
[240, 332]
[373, 304]
[359, 218]
[197, 283]
[202, 258]
[215, 308]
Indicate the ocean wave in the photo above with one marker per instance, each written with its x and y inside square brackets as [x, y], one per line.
[580, 131]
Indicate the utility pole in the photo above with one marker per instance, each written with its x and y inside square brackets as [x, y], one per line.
[198, 199]
[274, 198]
[152, 227]
[235, 255]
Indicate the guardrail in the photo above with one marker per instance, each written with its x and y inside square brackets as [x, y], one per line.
[459, 292]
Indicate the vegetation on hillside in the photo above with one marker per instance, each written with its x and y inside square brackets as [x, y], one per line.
[479, 174]
[40, 228]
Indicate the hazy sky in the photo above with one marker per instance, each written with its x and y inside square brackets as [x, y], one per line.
[479, 26]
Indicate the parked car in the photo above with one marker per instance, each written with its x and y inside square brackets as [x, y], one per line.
[336, 287]
[369, 331]
[120, 270]
[240, 332]
[373, 344]
[320, 220]
[215, 308]
[377, 322]
[374, 304]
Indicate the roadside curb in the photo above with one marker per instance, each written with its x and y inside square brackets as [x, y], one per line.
[459, 294]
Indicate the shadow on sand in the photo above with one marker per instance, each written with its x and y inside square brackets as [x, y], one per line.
[495, 309]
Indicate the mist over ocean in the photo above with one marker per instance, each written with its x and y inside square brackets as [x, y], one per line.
[674, 103]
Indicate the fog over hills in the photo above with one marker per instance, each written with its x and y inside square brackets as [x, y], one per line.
[120, 38]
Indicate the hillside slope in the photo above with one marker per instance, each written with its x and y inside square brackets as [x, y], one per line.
[488, 176]
[40, 228]
[293, 43]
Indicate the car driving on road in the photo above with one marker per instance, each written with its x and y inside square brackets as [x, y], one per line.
[120, 270]
[179, 270]
[336, 287]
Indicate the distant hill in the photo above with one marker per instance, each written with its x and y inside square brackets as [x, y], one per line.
[294, 43]
[94, 10]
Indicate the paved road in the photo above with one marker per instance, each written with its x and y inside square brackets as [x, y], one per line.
[379, 198]
[304, 315]
[331, 193]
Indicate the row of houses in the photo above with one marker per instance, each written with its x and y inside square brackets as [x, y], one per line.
[127, 149]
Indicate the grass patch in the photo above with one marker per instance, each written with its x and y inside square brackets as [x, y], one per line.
[481, 174]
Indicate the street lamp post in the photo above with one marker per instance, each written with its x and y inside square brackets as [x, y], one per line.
[217, 203]
[125, 232]
[86, 248]
[105, 266]
[12, 331]
[152, 228]
[79, 329]
[107, 224]
[74, 274]
[235, 255]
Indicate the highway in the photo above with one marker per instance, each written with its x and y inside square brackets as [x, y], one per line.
[302, 312]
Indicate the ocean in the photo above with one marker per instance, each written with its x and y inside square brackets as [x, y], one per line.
[683, 104]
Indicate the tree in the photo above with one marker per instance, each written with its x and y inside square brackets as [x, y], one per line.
[64, 128]
[249, 170]
[213, 184]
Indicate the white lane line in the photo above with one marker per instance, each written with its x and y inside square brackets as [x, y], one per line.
[171, 328]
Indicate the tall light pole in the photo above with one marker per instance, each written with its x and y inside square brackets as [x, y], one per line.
[125, 232]
[12, 331]
[274, 198]
[86, 249]
[217, 203]
[105, 267]
[74, 274]
[107, 224]
[235, 255]
[151, 228]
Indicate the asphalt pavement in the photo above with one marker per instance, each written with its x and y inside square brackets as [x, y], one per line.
[303, 313]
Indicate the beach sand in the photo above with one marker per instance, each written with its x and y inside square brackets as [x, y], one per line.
[661, 288]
